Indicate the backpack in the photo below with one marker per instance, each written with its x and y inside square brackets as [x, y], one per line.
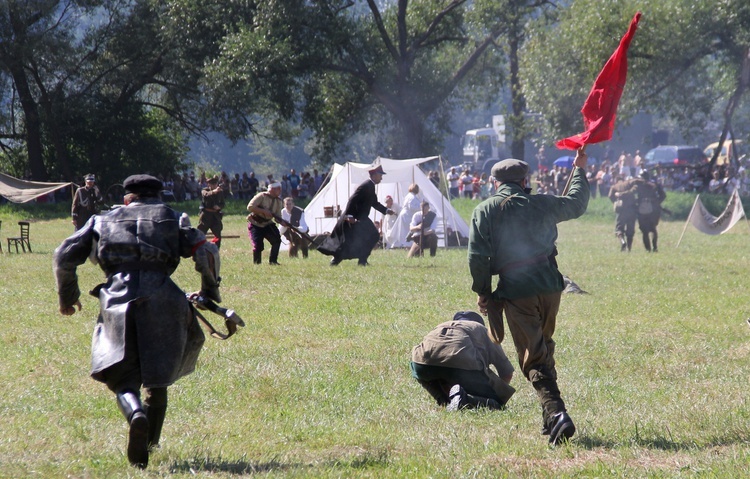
[645, 206]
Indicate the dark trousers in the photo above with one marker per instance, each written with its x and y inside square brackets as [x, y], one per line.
[258, 234]
[296, 243]
[422, 243]
[438, 380]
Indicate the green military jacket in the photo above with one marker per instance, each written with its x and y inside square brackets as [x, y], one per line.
[513, 236]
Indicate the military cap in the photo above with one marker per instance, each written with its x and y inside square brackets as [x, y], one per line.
[376, 169]
[89, 177]
[468, 316]
[140, 184]
[510, 170]
[645, 175]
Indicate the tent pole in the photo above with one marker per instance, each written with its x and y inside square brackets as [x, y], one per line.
[688, 220]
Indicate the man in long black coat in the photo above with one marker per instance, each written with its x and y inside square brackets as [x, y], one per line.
[354, 236]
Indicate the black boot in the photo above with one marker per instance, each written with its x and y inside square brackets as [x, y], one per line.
[653, 243]
[130, 406]
[646, 242]
[459, 399]
[561, 428]
[257, 257]
[155, 407]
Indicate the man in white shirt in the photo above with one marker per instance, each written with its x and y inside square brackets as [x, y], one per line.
[422, 231]
[295, 216]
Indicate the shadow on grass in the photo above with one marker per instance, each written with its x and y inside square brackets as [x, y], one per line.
[234, 467]
[219, 464]
[665, 443]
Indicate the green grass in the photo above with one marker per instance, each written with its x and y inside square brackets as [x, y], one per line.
[653, 364]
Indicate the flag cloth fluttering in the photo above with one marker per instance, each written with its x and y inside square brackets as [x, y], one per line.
[601, 105]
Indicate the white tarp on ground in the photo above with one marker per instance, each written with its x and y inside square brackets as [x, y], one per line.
[399, 175]
[21, 191]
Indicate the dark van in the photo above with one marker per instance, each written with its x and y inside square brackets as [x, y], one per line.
[674, 155]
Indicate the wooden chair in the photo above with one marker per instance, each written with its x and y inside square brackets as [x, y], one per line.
[23, 240]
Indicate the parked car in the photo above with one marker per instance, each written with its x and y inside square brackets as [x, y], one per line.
[674, 155]
[727, 151]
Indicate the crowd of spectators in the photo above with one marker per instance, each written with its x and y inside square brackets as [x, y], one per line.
[243, 186]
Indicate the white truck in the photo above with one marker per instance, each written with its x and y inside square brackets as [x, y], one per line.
[480, 145]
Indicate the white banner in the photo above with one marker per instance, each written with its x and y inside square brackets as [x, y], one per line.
[716, 225]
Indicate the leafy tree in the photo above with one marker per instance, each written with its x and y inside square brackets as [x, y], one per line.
[684, 62]
[90, 79]
[340, 67]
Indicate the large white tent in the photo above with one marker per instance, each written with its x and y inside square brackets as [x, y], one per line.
[399, 175]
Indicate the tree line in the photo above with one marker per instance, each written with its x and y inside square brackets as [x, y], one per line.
[117, 86]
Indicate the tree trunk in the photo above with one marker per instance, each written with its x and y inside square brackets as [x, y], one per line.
[518, 101]
[32, 121]
[743, 82]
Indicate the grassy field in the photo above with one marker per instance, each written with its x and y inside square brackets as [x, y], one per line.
[653, 364]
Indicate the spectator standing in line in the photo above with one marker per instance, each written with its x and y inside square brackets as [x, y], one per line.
[269, 180]
[604, 180]
[294, 181]
[317, 182]
[422, 232]
[465, 184]
[486, 187]
[453, 182]
[513, 235]
[210, 216]
[254, 185]
[234, 185]
[244, 187]
[192, 187]
[87, 202]
[263, 207]
[295, 216]
[593, 180]
[453, 364]
[304, 187]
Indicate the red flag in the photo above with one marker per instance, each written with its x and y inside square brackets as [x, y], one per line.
[601, 105]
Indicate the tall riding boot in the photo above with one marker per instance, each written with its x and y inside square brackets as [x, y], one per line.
[130, 406]
[646, 242]
[257, 257]
[653, 242]
[557, 422]
[155, 406]
[630, 243]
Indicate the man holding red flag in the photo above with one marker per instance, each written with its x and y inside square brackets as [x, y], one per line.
[513, 236]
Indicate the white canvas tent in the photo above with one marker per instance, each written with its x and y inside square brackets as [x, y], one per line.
[22, 191]
[399, 175]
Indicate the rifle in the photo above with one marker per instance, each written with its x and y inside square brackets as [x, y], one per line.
[233, 319]
[306, 236]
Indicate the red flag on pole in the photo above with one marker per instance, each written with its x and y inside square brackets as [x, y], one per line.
[601, 105]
